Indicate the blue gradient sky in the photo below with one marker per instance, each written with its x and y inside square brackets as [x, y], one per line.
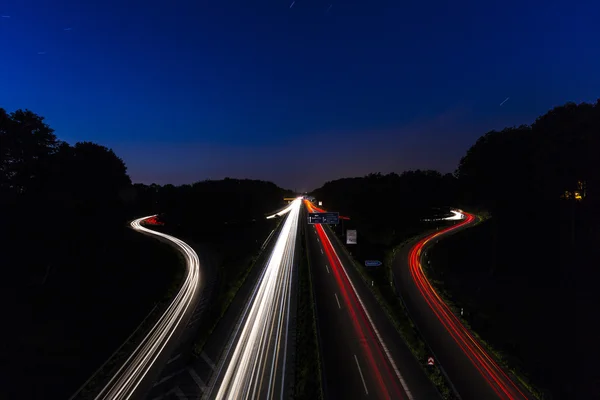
[187, 90]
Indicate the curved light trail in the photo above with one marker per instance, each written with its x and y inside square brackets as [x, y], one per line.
[131, 374]
[493, 374]
[256, 369]
[457, 215]
[284, 211]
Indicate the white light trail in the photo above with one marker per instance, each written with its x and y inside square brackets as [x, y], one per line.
[457, 215]
[128, 378]
[257, 366]
[285, 210]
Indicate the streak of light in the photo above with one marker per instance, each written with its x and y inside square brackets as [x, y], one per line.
[260, 350]
[131, 374]
[457, 215]
[292, 5]
[499, 381]
[505, 100]
[284, 211]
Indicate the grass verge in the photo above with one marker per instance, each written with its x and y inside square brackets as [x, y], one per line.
[501, 358]
[101, 377]
[308, 364]
[383, 291]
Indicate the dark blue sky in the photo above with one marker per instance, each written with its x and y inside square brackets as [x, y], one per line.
[187, 90]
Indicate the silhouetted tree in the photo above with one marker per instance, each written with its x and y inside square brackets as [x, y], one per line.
[77, 189]
[26, 146]
[498, 169]
[387, 207]
[212, 201]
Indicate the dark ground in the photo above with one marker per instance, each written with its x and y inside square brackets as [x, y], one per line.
[93, 299]
[232, 246]
[517, 294]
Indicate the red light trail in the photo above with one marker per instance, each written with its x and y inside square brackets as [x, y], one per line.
[500, 382]
[372, 346]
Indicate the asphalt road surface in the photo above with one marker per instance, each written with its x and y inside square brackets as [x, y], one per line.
[363, 355]
[472, 371]
[255, 366]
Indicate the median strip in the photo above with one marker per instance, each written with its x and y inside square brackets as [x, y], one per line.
[308, 362]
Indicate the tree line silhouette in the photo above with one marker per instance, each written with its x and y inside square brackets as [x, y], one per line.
[387, 207]
[211, 201]
[55, 196]
[543, 173]
[540, 183]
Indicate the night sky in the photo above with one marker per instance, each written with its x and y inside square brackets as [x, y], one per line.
[189, 90]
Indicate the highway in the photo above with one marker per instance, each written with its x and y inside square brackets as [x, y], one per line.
[363, 355]
[255, 361]
[472, 371]
[148, 358]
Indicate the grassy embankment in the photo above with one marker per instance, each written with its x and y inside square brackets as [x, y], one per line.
[234, 268]
[134, 258]
[461, 288]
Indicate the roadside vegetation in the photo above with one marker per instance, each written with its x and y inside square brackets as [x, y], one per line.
[464, 283]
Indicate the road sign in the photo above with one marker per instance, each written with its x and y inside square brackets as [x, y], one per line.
[430, 361]
[324, 218]
[372, 263]
[351, 236]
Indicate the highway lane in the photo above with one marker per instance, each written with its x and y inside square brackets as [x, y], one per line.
[473, 372]
[133, 377]
[342, 378]
[256, 362]
[363, 355]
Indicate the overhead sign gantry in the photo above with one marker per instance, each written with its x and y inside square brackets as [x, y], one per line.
[332, 218]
